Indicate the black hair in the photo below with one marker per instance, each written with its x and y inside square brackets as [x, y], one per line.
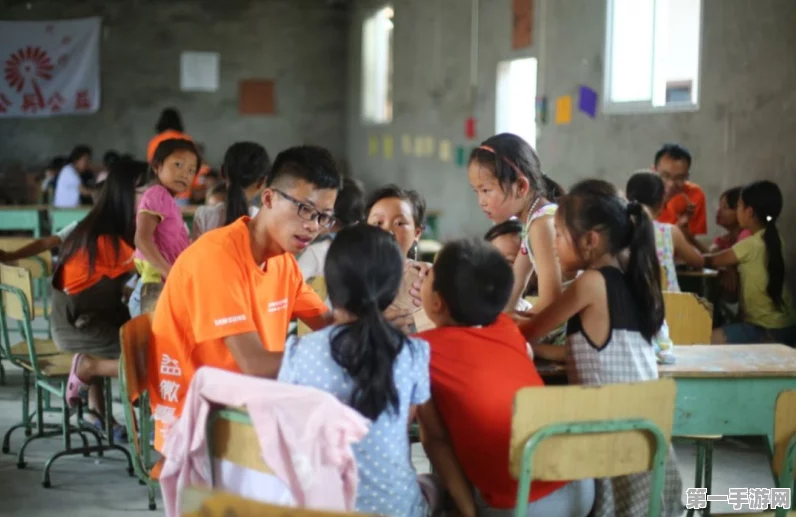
[219, 189]
[731, 195]
[646, 188]
[78, 152]
[553, 189]
[510, 227]
[310, 163]
[512, 156]
[113, 214]
[675, 152]
[765, 200]
[416, 201]
[169, 119]
[363, 272]
[56, 164]
[474, 280]
[167, 147]
[349, 207]
[245, 164]
[595, 205]
[110, 157]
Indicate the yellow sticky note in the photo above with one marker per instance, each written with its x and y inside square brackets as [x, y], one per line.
[564, 109]
[406, 144]
[445, 154]
[387, 144]
[420, 145]
[373, 145]
[429, 146]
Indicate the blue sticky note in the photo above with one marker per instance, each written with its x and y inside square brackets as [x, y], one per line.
[587, 101]
[541, 109]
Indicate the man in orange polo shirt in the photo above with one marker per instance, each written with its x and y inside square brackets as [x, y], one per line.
[230, 295]
[684, 202]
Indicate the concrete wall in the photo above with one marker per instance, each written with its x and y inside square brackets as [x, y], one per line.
[299, 43]
[745, 127]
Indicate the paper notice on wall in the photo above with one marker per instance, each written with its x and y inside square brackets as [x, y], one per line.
[564, 110]
[420, 146]
[199, 71]
[373, 146]
[445, 153]
[388, 144]
[428, 146]
[406, 144]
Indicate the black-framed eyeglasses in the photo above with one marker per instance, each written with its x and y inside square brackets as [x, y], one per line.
[308, 213]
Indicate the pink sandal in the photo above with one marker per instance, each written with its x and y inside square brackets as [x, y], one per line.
[74, 385]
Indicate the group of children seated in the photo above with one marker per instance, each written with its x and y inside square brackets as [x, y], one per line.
[399, 339]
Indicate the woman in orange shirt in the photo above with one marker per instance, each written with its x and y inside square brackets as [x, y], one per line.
[97, 259]
[169, 126]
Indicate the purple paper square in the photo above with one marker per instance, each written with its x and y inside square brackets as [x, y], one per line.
[587, 101]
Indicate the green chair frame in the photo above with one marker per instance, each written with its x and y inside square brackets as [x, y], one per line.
[600, 426]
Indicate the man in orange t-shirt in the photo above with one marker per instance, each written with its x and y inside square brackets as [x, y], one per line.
[479, 360]
[684, 202]
[230, 296]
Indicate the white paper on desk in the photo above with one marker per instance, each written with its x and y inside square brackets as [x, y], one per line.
[199, 71]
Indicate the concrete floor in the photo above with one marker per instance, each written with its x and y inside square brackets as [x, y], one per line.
[89, 487]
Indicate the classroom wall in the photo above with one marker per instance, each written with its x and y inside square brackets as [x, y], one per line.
[745, 127]
[298, 43]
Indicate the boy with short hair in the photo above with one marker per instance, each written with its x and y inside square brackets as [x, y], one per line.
[230, 296]
[478, 362]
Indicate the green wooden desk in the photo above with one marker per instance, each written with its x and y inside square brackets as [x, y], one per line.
[63, 217]
[188, 213]
[729, 390]
[21, 218]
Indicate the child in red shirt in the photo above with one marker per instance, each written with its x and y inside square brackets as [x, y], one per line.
[478, 362]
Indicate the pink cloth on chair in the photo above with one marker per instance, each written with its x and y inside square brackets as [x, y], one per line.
[305, 436]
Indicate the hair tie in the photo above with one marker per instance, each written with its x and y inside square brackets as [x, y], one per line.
[633, 208]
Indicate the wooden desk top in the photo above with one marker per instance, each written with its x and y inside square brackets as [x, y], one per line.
[709, 273]
[731, 361]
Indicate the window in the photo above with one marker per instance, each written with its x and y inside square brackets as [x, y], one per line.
[652, 49]
[516, 99]
[377, 67]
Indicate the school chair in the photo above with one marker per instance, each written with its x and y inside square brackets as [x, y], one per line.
[133, 378]
[16, 282]
[50, 376]
[197, 502]
[427, 250]
[41, 268]
[318, 284]
[561, 433]
[783, 462]
[231, 437]
[690, 321]
[690, 318]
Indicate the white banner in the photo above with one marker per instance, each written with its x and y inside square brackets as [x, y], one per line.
[49, 67]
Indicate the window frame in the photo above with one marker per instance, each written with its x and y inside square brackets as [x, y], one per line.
[610, 107]
[366, 117]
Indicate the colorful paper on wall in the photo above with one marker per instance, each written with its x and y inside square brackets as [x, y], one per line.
[373, 145]
[469, 128]
[420, 145]
[460, 156]
[587, 101]
[564, 110]
[428, 147]
[445, 150]
[406, 144]
[541, 109]
[388, 145]
[522, 23]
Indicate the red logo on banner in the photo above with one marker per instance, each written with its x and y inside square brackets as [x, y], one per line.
[4, 103]
[55, 102]
[81, 100]
[26, 67]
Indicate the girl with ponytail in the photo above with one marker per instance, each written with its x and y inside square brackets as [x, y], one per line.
[370, 365]
[612, 312]
[245, 169]
[766, 302]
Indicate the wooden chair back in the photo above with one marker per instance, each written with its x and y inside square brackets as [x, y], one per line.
[134, 339]
[784, 428]
[580, 456]
[690, 318]
[196, 502]
[40, 266]
[231, 437]
[318, 284]
[19, 277]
